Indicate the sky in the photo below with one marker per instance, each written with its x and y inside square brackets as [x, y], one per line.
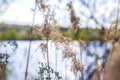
[20, 12]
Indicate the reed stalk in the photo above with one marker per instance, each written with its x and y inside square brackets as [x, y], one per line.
[48, 64]
[30, 41]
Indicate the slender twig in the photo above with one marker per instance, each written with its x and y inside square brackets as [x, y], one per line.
[28, 56]
[81, 72]
[65, 69]
[80, 52]
[56, 59]
[48, 61]
[116, 27]
[117, 18]
[47, 39]
[104, 58]
[75, 76]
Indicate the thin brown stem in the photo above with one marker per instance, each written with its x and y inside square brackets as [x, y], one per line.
[116, 24]
[48, 61]
[56, 59]
[27, 61]
[80, 52]
[65, 69]
[28, 56]
[82, 75]
[75, 76]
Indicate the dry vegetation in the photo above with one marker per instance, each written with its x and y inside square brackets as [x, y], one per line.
[3, 65]
[50, 30]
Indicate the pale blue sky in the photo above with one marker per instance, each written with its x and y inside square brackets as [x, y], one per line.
[20, 12]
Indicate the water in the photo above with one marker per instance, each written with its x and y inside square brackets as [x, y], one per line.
[18, 56]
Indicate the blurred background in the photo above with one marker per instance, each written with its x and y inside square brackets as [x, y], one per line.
[16, 19]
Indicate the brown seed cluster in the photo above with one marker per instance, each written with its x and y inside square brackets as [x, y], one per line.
[73, 18]
[68, 52]
[41, 5]
[110, 33]
[50, 30]
[113, 32]
[77, 66]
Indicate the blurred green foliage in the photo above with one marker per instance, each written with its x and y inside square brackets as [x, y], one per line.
[20, 32]
[87, 34]
[12, 34]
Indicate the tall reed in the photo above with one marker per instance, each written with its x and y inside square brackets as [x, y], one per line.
[30, 38]
[111, 69]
